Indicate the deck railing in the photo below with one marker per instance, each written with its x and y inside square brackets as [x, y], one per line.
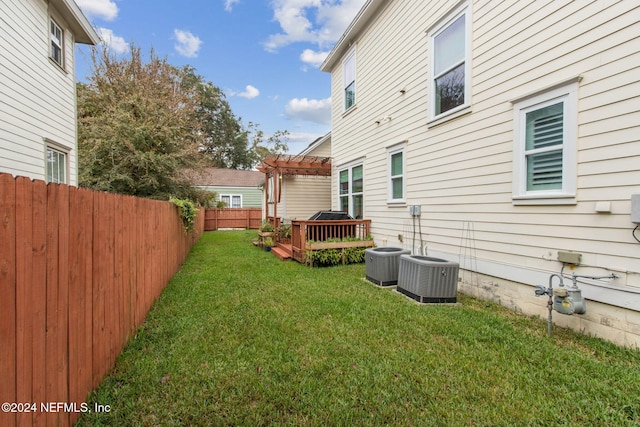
[321, 230]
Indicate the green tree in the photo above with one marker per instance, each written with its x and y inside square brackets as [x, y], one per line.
[137, 127]
[226, 142]
[262, 146]
[222, 144]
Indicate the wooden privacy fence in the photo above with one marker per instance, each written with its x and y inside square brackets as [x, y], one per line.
[79, 271]
[217, 218]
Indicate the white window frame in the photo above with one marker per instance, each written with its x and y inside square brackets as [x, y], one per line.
[350, 193]
[231, 197]
[568, 95]
[53, 43]
[391, 152]
[349, 61]
[433, 32]
[56, 150]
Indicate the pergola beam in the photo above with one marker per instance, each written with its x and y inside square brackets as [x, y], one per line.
[296, 165]
[280, 165]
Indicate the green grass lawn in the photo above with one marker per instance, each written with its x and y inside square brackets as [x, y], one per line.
[242, 338]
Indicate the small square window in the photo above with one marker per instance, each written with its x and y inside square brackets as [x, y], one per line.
[56, 166]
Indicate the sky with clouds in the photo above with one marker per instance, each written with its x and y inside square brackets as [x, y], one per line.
[263, 54]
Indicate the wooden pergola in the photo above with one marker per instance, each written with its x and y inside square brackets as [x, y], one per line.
[278, 165]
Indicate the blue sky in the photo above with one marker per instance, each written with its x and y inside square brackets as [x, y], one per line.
[263, 54]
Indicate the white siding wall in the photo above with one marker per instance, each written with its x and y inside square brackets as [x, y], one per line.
[460, 170]
[37, 98]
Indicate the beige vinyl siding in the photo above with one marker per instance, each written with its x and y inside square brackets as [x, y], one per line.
[461, 170]
[303, 196]
[38, 97]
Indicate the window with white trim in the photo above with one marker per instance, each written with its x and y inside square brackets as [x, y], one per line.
[450, 71]
[351, 190]
[349, 80]
[231, 200]
[56, 165]
[396, 175]
[545, 131]
[57, 46]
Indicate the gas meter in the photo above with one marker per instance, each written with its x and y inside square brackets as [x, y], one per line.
[565, 300]
[568, 300]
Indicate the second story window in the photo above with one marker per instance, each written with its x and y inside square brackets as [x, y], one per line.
[349, 73]
[450, 64]
[56, 51]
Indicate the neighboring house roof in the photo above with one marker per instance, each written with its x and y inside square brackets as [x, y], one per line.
[316, 143]
[219, 177]
[362, 19]
[82, 30]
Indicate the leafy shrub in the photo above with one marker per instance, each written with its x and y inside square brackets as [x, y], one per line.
[327, 257]
[188, 212]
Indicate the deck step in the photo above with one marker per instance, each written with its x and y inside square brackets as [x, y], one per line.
[281, 253]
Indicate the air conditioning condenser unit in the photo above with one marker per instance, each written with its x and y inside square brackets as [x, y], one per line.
[426, 279]
[382, 264]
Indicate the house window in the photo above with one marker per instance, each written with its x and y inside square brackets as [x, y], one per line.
[349, 73]
[351, 191]
[56, 43]
[450, 72]
[56, 166]
[545, 130]
[396, 175]
[231, 200]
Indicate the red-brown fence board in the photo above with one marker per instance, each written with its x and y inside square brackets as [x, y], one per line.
[24, 289]
[8, 295]
[79, 271]
[39, 299]
[217, 218]
[57, 298]
[80, 294]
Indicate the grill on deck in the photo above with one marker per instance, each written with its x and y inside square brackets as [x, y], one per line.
[330, 216]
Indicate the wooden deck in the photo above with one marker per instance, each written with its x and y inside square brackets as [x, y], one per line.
[282, 251]
[310, 235]
[305, 232]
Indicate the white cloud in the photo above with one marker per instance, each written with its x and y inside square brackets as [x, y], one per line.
[315, 21]
[228, 4]
[312, 110]
[250, 92]
[115, 43]
[102, 9]
[188, 44]
[313, 58]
